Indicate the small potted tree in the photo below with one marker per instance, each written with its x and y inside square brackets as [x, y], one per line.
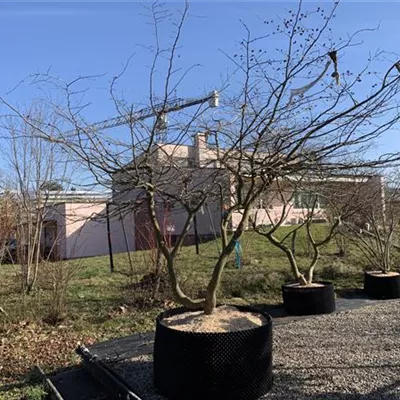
[374, 231]
[290, 202]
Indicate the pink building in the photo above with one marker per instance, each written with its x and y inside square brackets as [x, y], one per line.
[86, 224]
[268, 208]
[76, 225]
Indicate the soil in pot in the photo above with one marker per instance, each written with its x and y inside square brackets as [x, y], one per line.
[227, 355]
[379, 285]
[315, 298]
[224, 319]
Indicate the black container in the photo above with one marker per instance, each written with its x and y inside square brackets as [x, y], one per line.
[212, 365]
[309, 300]
[382, 287]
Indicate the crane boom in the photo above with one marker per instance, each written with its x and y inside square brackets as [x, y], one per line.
[163, 108]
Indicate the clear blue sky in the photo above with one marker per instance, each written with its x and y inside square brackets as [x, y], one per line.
[95, 38]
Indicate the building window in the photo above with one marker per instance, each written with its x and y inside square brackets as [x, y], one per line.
[322, 201]
[181, 161]
[306, 199]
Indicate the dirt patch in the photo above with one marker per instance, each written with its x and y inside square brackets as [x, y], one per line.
[223, 319]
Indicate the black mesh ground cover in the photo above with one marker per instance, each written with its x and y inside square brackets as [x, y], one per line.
[213, 366]
[382, 287]
[310, 300]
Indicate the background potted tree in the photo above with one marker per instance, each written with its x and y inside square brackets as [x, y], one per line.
[374, 230]
[300, 204]
[267, 128]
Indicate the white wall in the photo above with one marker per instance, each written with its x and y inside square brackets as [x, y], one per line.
[122, 228]
[86, 230]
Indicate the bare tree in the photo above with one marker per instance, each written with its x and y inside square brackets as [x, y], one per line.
[375, 230]
[282, 114]
[298, 203]
[32, 163]
[8, 217]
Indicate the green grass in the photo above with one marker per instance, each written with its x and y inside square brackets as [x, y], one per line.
[28, 391]
[94, 292]
[95, 295]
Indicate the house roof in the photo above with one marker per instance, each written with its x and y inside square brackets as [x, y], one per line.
[76, 196]
[69, 196]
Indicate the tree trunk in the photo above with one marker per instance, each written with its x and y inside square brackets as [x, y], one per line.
[158, 272]
[211, 303]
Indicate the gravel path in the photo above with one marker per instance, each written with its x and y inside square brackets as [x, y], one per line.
[350, 355]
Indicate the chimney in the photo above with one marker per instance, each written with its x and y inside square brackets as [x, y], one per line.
[200, 148]
[200, 140]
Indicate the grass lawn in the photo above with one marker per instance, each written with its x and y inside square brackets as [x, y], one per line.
[103, 305]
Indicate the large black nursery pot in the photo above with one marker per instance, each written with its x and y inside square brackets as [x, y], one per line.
[310, 300]
[233, 365]
[382, 286]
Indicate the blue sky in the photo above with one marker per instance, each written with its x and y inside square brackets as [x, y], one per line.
[97, 38]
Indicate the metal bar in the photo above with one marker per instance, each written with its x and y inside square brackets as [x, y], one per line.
[54, 393]
[196, 233]
[110, 251]
[114, 384]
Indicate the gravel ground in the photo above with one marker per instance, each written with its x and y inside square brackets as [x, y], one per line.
[350, 355]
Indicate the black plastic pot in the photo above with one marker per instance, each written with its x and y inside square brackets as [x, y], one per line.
[382, 287]
[212, 365]
[309, 300]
